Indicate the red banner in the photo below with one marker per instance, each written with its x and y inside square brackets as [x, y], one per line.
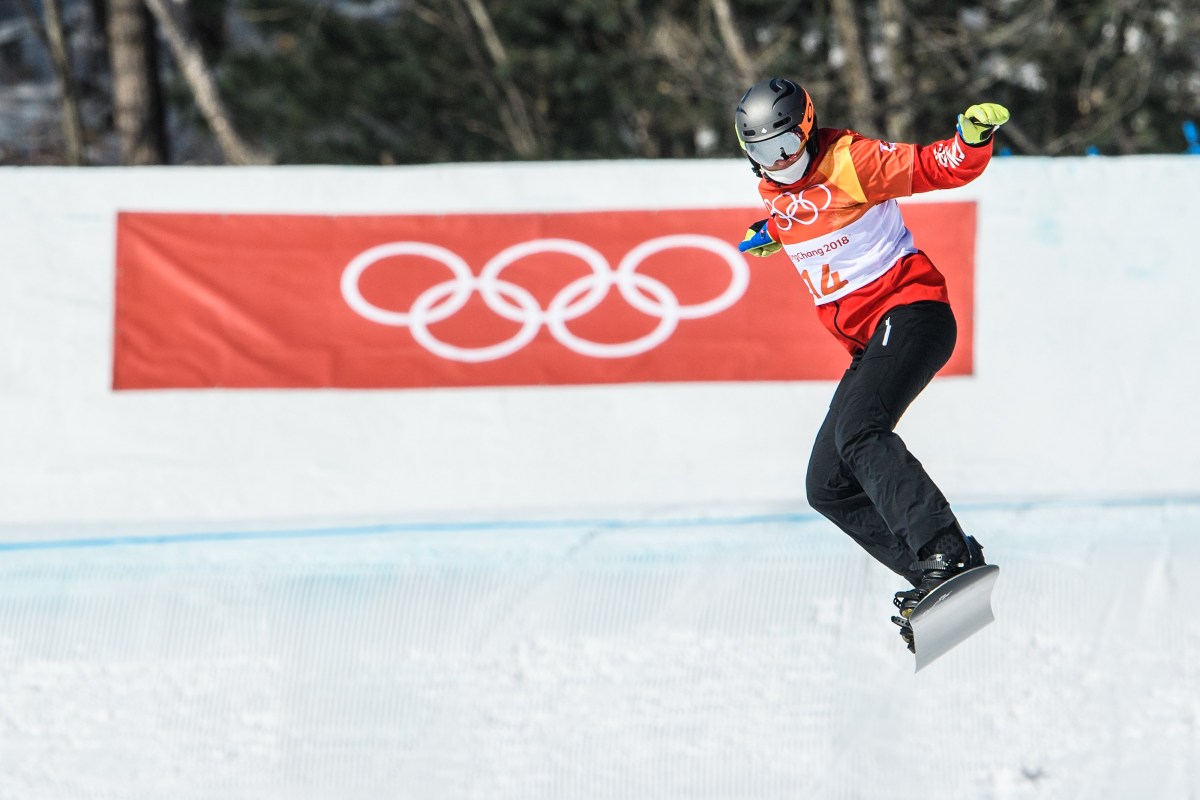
[288, 301]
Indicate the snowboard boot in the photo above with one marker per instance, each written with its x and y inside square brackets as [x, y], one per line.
[942, 559]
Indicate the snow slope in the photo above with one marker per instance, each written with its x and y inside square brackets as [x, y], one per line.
[690, 657]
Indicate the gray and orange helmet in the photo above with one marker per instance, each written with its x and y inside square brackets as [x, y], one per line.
[767, 112]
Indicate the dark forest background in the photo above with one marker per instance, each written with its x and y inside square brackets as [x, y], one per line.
[417, 81]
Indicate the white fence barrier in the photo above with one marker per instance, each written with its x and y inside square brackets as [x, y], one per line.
[1086, 273]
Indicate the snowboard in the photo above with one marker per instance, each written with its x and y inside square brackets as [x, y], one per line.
[952, 613]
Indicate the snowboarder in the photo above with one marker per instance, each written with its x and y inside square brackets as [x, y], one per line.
[830, 195]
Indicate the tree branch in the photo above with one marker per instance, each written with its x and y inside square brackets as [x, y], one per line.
[857, 79]
[51, 34]
[200, 80]
[733, 42]
[521, 127]
[898, 123]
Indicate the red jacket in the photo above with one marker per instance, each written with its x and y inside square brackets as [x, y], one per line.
[841, 225]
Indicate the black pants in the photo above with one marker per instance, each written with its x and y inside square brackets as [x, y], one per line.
[861, 475]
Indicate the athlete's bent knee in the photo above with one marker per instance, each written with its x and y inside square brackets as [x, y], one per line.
[823, 496]
[852, 442]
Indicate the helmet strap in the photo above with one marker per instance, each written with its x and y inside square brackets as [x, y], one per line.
[754, 166]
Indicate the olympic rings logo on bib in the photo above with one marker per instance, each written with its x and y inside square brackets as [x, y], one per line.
[798, 208]
[515, 303]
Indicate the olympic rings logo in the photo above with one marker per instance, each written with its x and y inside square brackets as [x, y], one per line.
[797, 203]
[512, 302]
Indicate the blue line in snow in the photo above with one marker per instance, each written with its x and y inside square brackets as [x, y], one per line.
[549, 524]
[402, 528]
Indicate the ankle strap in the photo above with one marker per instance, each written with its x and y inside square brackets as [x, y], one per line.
[937, 561]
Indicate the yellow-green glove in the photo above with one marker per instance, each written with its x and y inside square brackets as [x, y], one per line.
[978, 122]
[758, 242]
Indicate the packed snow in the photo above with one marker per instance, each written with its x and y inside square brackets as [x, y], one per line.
[668, 657]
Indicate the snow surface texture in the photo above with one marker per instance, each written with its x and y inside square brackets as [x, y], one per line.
[683, 658]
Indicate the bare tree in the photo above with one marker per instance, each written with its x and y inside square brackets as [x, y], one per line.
[897, 46]
[855, 72]
[137, 94]
[514, 116]
[199, 78]
[743, 64]
[51, 34]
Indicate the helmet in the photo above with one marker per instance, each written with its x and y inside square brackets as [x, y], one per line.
[775, 121]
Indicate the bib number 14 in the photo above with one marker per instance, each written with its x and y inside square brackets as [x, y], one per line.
[830, 282]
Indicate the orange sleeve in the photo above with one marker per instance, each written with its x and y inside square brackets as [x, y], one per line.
[888, 170]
